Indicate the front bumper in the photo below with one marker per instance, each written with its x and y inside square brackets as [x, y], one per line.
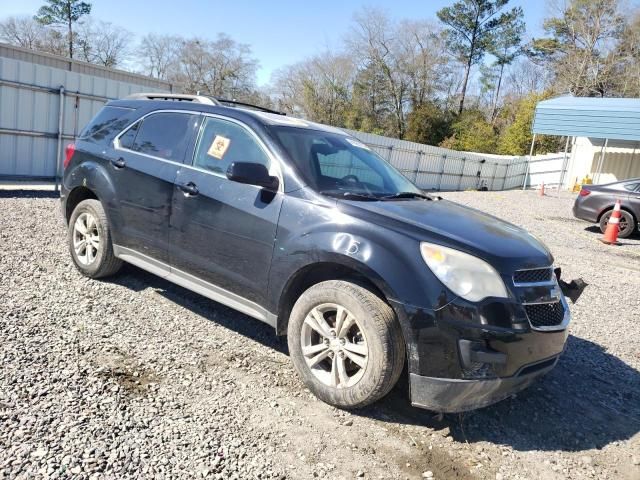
[466, 356]
[450, 395]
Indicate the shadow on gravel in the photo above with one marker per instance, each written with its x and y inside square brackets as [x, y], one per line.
[136, 279]
[589, 400]
[28, 194]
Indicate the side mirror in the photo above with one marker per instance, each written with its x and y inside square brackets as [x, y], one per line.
[252, 174]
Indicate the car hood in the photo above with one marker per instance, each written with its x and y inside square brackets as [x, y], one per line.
[505, 246]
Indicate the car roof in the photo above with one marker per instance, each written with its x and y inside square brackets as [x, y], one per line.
[237, 112]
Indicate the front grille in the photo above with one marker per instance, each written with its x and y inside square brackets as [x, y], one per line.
[536, 275]
[545, 314]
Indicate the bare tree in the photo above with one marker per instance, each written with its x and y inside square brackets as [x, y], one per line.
[374, 39]
[580, 46]
[159, 54]
[103, 43]
[22, 31]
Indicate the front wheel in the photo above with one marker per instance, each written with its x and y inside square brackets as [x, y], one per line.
[345, 343]
[626, 226]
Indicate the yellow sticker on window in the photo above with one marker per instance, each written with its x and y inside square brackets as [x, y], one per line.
[219, 147]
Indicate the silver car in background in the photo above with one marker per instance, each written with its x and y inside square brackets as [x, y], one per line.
[595, 203]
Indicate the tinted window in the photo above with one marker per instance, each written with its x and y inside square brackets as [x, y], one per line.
[222, 143]
[164, 135]
[106, 124]
[631, 186]
[126, 140]
[335, 164]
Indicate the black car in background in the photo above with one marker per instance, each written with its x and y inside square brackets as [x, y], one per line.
[595, 203]
[305, 228]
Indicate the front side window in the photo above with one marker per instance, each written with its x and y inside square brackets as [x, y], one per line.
[222, 143]
[338, 165]
[163, 135]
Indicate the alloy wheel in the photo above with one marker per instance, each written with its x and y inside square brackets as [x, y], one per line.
[86, 238]
[334, 346]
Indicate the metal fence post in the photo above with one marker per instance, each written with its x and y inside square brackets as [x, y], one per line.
[444, 159]
[563, 166]
[495, 170]
[390, 153]
[59, 149]
[464, 161]
[504, 179]
[415, 172]
[526, 173]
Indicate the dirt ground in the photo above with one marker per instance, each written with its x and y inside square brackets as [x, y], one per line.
[135, 377]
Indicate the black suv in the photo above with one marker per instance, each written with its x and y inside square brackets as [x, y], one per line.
[305, 228]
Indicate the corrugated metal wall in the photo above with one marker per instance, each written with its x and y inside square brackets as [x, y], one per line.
[437, 168]
[30, 106]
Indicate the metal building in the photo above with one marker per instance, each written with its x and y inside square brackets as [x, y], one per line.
[45, 100]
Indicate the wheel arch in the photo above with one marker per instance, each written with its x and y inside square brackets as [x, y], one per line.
[75, 196]
[321, 271]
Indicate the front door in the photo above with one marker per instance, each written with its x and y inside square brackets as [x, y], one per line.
[144, 165]
[223, 232]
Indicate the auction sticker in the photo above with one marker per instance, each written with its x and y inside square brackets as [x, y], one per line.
[219, 147]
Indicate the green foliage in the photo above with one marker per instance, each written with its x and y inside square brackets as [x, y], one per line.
[476, 27]
[63, 13]
[577, 47]
[472, 133]
[428, 124]
[516, 137]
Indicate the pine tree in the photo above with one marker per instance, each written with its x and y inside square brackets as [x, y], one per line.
[63, 13]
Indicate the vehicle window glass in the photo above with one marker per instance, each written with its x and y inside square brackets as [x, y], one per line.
[164, 135]
[126, 139]
[106, 124]
[631, 186]
[336, 164]
[222, 142]
[342, 164]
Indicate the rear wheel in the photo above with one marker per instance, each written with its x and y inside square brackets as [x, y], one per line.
[345, 343]
[627, 223]
[90, 241]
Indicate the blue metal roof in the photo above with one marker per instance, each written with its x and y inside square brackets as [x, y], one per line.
[613, 118]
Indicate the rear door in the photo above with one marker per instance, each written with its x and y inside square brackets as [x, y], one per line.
[147, 158]
[634, 200]
[223, 232]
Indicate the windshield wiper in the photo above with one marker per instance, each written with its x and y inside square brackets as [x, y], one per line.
[407, 195]
[351, 196]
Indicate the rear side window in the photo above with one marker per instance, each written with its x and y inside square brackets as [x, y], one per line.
[163, 135]
[106, 124]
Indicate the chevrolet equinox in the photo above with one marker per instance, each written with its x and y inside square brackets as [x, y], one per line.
[304, 227]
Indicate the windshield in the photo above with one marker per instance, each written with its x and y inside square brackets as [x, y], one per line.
[338, 165]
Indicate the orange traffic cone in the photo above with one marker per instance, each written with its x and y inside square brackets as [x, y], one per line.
[542, 189]
[613, 226]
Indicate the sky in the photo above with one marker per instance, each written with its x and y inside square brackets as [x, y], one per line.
[280, 32]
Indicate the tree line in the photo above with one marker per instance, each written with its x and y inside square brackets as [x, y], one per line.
[468, 80]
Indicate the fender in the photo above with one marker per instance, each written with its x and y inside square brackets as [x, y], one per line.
[92, 174]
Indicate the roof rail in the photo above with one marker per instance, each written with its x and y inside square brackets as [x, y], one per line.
[224, 101]
[176, 97]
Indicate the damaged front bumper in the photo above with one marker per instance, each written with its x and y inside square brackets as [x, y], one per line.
[450, 395]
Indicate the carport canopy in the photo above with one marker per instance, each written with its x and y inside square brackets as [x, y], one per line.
[603, 118]
[606, 118]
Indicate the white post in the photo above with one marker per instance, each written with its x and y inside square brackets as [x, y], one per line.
[526, 174]
[603, 153]
[60, 133]
[564, 163]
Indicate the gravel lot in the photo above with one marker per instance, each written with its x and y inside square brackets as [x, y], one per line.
[136, 377]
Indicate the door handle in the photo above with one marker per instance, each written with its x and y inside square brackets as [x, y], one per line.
[118, 162]
[189, 189]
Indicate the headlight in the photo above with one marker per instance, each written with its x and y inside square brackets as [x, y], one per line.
[465, 275]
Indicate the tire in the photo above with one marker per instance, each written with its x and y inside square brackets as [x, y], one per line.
[346, 377]
[627, 223]
[90, 215]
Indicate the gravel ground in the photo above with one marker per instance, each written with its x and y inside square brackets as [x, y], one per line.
[136, 377]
